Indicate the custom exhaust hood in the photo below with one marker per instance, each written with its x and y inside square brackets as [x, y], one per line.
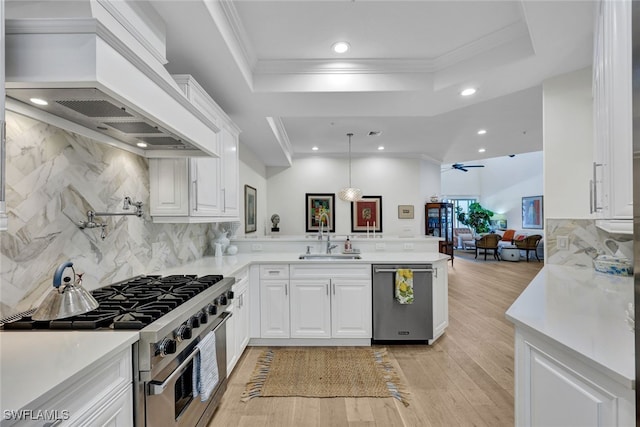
[98, 83]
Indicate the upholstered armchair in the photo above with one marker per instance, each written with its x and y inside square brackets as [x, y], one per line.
[528, 244]
[488, 242]
[461, 236]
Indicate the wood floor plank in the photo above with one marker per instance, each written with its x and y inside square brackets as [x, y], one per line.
[464, 379]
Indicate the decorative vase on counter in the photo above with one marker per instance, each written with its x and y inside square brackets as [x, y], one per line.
[220, 238]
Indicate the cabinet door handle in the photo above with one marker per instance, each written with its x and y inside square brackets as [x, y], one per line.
[326, 287]
[286, 289]
[435, 273]
[224, 200]
[194, 182]
[333, 287]
[591, 185]
[596, 208]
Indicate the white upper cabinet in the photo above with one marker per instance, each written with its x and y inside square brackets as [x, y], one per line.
[229, 171]
[203, 189]
[611, 187]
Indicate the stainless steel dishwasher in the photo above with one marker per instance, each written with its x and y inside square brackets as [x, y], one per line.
[393, 321]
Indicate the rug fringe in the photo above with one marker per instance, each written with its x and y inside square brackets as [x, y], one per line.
[258, 377]
[393, 380]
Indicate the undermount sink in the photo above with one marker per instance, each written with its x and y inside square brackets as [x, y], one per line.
[329, 257]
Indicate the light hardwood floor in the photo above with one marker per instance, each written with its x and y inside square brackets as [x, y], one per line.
[464, 379]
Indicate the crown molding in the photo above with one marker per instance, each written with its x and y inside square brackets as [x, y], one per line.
[227, 20]
[280, 132]
[396, 65]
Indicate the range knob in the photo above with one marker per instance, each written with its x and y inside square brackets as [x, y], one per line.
[166, 346]
[203, 317]
[194, 322]
[230, 294]
[212, 309]
[184, 332]
[222, 300]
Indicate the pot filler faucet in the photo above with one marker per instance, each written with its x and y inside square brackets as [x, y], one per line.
[329, 245]
[91, 215]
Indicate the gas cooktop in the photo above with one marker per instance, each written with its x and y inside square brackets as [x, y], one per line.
[131, 304]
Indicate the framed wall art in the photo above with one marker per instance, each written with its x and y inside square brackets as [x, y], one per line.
[320, 207]
[405, 211]
[366, 215]
[532, 212]
[250, 210]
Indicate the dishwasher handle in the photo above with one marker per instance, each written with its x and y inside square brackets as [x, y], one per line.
[391, 270]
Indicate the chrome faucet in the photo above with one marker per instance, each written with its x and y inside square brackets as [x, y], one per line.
[320, 229]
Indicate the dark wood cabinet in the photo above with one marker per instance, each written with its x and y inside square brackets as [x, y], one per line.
[439, 223]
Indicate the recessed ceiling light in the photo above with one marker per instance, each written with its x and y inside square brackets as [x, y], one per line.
[468, 91]
[482, 131]
[39, 101]
[142, 144]
[381, 148]
[482, 150]
[340, 47]
[314, 148]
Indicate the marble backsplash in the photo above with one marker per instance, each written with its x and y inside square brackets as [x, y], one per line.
[586, 241]
[53, 177]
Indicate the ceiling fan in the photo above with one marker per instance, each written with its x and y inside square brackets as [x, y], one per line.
[463, 167]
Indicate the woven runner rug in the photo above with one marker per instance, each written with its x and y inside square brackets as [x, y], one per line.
[324, 372]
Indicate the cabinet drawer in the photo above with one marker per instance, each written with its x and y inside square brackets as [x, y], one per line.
[274, 271]
[314, 271]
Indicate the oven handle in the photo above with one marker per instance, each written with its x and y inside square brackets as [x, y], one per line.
[156, 387]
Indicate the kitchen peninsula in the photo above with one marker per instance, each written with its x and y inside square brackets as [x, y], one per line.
[243, 328]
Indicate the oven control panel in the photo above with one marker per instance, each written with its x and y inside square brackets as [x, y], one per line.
[197, 324]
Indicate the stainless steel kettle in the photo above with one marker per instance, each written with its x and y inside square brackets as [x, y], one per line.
[65, 300]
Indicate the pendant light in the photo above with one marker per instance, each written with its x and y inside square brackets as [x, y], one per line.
[350, 194]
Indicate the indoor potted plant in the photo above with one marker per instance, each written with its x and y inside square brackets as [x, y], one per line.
[477, 218]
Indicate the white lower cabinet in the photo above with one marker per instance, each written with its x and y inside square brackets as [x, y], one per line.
[440, 298]
[310, 308]
[325, 301]
[117, 412]
[553, 388]
[274, 309]
[238, 323]
[102, 396]
[351, 308]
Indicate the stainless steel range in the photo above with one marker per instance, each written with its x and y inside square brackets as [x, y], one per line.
[173, 314]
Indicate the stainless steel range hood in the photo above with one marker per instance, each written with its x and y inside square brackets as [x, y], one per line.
[98, 84]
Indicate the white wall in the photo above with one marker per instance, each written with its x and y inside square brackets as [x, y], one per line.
[399, 181]
[508, 180]
[253, 173]
[500, 185]
[568, 144]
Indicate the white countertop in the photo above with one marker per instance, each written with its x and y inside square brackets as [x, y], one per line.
[229, 265]
[33, 363]
[583, 311]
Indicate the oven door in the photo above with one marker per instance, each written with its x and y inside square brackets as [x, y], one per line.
[169, 397]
